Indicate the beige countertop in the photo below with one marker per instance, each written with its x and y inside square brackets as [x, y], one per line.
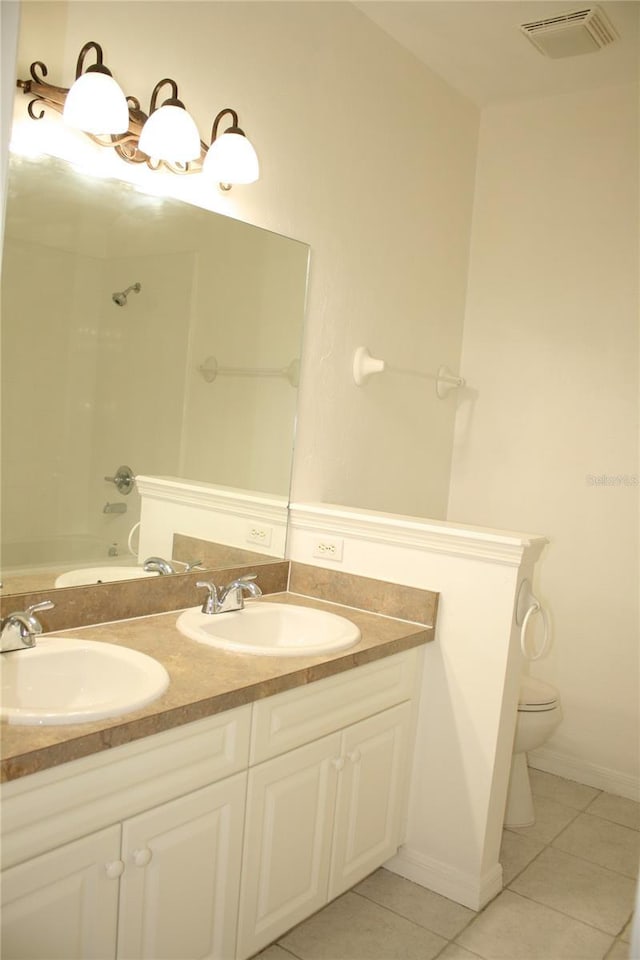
[204, 681]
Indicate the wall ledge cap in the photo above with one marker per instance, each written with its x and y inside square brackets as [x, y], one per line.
[501, 546]
[211, 496]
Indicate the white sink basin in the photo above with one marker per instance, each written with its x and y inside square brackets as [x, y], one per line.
[62, 680]
[271, 629]
[88, 575]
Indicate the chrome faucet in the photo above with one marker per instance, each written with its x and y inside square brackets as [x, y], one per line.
[158, 565]
[19, 630]
[231, 597]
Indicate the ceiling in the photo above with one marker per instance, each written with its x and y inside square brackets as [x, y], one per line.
[478, 48]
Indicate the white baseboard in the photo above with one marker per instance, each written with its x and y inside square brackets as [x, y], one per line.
[446, 880]
[603, 778]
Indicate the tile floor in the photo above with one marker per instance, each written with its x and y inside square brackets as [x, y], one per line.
[569, 894]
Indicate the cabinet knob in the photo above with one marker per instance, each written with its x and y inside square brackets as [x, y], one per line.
[114, 869]
[355, 756]
[142, 857]
[338, 762]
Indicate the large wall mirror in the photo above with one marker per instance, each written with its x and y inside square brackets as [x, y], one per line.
[136, 331]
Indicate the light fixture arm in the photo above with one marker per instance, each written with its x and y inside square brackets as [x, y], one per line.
[172, 101]
[42, 91]
[234, 128]
[98, 66]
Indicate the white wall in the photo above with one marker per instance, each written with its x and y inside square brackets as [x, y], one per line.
[551, 359]
[9, 27]
[247, 313]
[368, 157]
[45, 441]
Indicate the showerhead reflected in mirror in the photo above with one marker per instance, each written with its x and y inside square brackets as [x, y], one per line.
[85, 389]
[120, 297]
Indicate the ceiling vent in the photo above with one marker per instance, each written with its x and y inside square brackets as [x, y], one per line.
[569, 34]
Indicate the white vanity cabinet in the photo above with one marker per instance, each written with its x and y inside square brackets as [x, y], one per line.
[161, 881]
[208, 841]
[178, 868]
[322, 816]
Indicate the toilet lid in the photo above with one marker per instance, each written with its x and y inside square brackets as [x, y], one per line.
[536, 695]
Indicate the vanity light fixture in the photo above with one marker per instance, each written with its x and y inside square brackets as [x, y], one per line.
[95, 103]
[170, 132]
[167, 137]
[231, 157]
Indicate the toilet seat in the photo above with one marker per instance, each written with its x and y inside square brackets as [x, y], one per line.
[537, 696]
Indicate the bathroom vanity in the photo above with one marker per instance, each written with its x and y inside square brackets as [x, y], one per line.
[206, 825]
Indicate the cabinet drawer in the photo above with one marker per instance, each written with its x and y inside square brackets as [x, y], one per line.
[289, 719]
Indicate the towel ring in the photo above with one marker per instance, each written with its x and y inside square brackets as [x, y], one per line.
[527, 604]
[535, 607]
[130, 539]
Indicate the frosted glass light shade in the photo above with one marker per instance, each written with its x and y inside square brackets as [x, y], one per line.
[231, 158]
[170, 134]
[96, 104]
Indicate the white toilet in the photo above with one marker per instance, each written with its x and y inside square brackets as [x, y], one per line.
[539, 713]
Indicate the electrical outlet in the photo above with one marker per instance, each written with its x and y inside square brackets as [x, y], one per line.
[259, 533]
[328, 548]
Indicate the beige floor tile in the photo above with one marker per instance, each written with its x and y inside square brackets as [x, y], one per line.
[626, 933]
[551, 819]
[516, 853]
[618, 809]
[514, 928]
[274, 952]
[582, 890]
[416, 903]
[568, 792]
[455, 952]
[619, 951]
[609, 844]
[354, 928]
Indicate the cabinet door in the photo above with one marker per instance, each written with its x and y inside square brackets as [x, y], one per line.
[371, 796]
[63, 905]
[179, 892]
[285, 871]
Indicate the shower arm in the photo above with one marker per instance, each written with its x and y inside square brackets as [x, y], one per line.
[120, 296]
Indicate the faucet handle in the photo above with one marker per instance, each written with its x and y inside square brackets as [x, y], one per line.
[210, 604]
[35, 627]
[241, 585]
[158, 565]
[43, 605]
[246, 583]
